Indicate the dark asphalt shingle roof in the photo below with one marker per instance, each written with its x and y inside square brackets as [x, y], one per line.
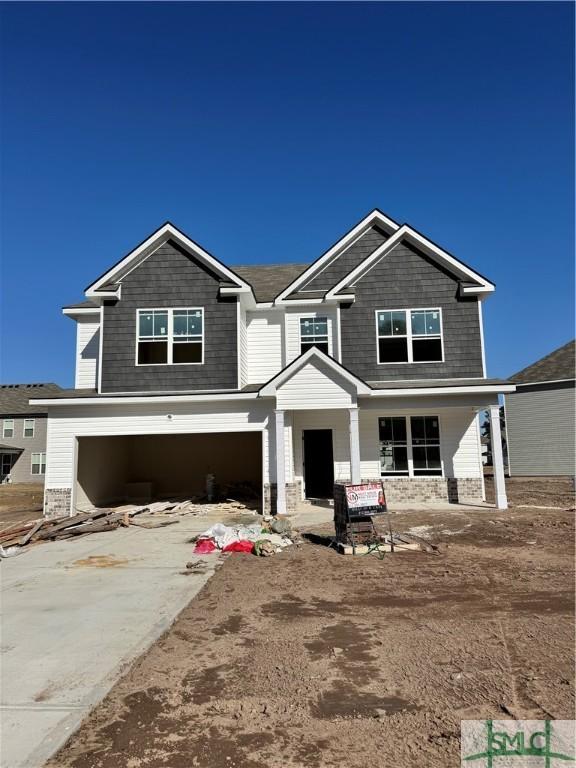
[431, 383]
[88, 304]
[557, 366]
[14, 397]
[268, 280]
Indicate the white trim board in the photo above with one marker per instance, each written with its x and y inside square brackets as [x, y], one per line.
[375, 217]
[427, 246]
[167, 232]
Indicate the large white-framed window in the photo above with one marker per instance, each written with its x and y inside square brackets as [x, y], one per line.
[314, 333]
[8, 428]
[409, 336]
[410, 446]
[173, 336]
[28, 428]
[38, 464]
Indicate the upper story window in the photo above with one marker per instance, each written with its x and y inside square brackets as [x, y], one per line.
[170, 336]
[8, 428]
[409, 335]
[314, 333]
[29, 425]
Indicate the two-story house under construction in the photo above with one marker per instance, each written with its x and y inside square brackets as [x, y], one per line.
[366, 364]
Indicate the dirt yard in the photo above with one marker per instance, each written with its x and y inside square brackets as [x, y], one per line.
[310, 658]
[20, 502]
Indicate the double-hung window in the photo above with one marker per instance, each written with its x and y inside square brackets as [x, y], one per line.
[8, 428]
[38, 464]
[409, 335]
[28, 430]
[170, 336]
[314, 333]
[410, 446]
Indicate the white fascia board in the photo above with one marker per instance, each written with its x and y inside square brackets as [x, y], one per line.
[144, 399]
[481, 389]
[235, 290]
[166, 232]
[269, 389]
[406, 232]
[74, 312]
[374, 217]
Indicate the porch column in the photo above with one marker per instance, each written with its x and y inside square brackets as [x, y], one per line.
[497, 458]
[355, 472]
[280, 464]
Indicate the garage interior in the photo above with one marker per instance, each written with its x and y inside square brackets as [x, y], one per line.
[143, 468]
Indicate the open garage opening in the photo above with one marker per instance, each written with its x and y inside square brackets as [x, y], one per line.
[142, 468]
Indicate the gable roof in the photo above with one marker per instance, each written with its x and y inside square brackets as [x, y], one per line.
[267, 280]
[14, 397]
[164, 233]
[374, 218]
[311, 356]
[557, 366]
[471, 282]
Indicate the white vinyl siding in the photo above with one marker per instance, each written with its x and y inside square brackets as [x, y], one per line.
[293, 330]
[265, 345]
[87, 352]
[540, 429]
[312, 388]
[68, 423]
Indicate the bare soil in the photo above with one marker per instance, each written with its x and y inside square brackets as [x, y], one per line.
[311, 658]
[20, 503]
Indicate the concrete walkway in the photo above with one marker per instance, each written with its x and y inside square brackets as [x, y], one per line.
[75, 613]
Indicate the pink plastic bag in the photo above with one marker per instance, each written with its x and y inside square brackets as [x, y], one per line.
[204, 547]
[239, 546]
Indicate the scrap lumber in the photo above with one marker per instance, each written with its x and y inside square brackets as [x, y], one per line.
[25, 539]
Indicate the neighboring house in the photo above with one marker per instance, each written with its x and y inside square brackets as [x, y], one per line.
[366, 364]
[540, 416]
[23, 432]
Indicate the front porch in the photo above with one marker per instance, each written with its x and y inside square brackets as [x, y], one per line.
[422, 442]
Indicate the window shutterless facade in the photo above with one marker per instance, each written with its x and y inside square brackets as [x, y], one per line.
[409, 336]
[410, 446]
[28, 430]
[314, 333]
[38, 464]
[170, 336]
[8, 428]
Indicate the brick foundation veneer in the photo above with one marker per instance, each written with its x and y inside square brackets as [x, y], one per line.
[435, 489]
[293, 495]
[57, 502]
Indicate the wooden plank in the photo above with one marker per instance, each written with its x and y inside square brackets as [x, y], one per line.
[25, 539]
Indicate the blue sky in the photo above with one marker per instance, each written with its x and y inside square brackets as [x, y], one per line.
[265, 131]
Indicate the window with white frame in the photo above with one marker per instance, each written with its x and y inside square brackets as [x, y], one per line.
[409, 335]
[29, 425]
[410, 446]
[38, 464]
[170, 336]
[314, 333]
[8, 428]
[425, 433]
[393, 445]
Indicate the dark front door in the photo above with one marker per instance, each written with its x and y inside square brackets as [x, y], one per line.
[318, 463]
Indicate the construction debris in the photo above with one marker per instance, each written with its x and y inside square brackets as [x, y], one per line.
[258, 539]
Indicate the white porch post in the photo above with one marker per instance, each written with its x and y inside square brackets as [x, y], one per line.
[280, 464]
[497, 458]
[355, 472]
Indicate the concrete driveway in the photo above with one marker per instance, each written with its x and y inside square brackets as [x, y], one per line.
[75, 613]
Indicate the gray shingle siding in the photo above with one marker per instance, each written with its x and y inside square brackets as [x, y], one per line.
[406, 279]
[540, 424]
[342, 265]
[21, 471]
[170, 278]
